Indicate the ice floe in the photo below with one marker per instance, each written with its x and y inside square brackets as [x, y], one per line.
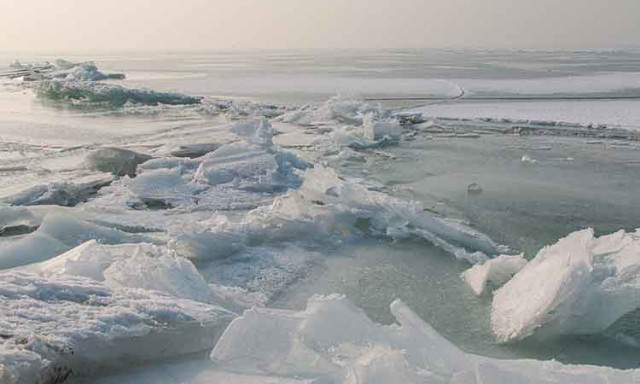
[579, 286]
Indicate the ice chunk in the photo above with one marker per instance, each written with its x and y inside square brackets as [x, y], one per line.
[145, 266]
[118, 161]
[376, 130]
[496, 271]
[258, 132]
[164, 188]
[58, 234]
[62, 326]
[194, 150]
[580, 285]
[250, 167]
[77, 188]
[333, 341]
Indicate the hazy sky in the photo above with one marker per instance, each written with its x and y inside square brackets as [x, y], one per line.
[274, 24]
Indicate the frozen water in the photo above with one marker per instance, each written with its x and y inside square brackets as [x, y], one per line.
[581, 285]
[200, 205]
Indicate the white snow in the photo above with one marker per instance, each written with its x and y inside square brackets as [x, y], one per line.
[579, 286]
[496, 272]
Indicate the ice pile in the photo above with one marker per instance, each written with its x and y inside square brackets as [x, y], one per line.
[581, 285]
[338, 109]
[327, 206]
[63, 70]
[92, 94]
[103, 307]
[334, 342]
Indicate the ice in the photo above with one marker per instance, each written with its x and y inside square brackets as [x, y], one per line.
[60, 326]
[86, 71]
[332, 341]
[194, 150]
[250, 167]
[163, 188]
[579, 286]
[496, 272]
[57, 234]
[144, 265]
[103, 306]
[258, 132]
[64, 191]
[376, 130]
[118, 161]
[341, 109]
[92, 94]
[326, 206]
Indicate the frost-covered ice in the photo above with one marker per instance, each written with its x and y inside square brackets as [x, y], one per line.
[332, 341]
[579, 286]
[495, 272]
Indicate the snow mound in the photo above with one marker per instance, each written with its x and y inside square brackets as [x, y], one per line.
[496, 272]
[581, 285]
[334, 342]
